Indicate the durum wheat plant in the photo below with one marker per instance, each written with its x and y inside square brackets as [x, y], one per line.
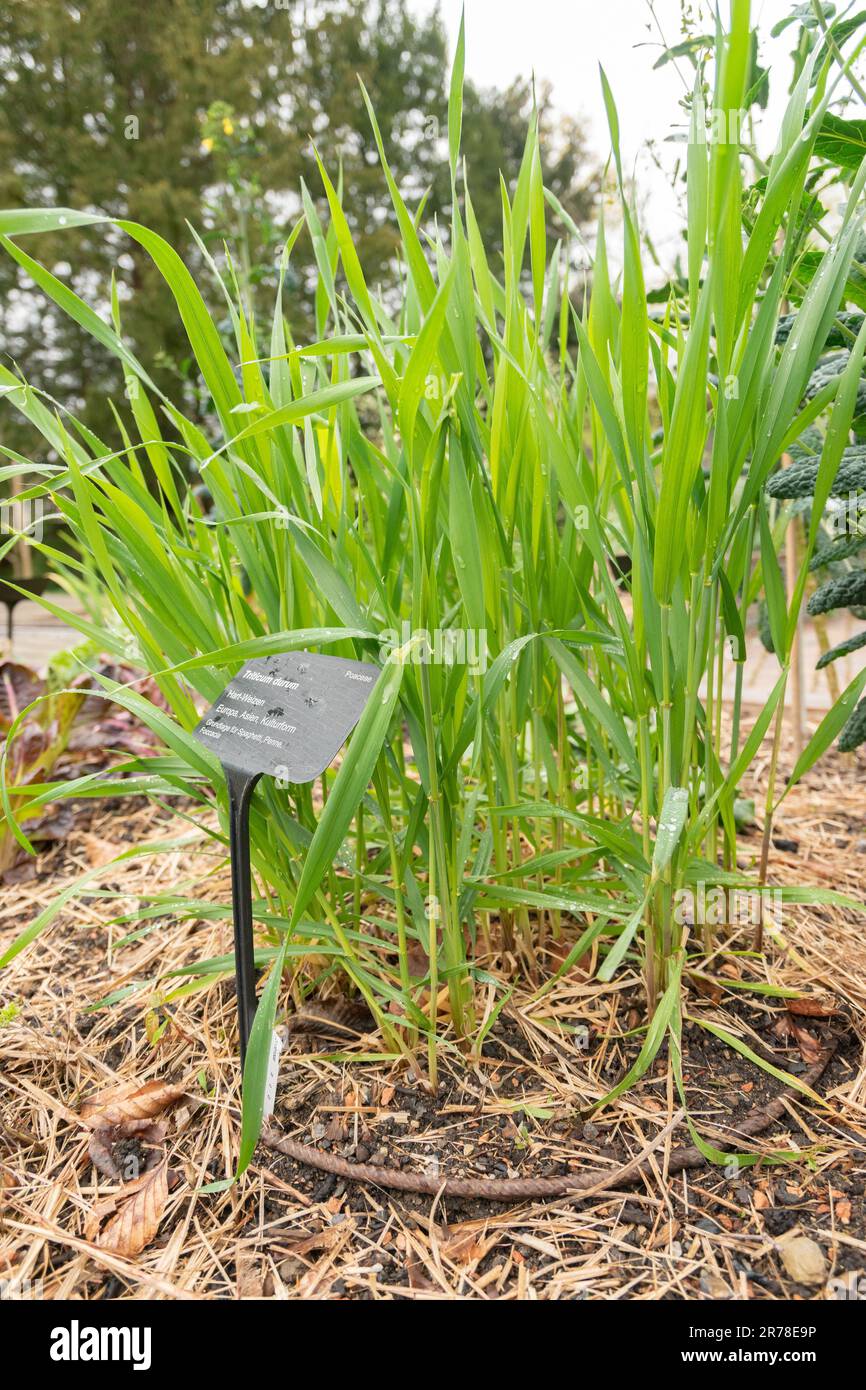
[474, 457]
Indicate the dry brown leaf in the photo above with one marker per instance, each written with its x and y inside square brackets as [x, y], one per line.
[666, 1232]
[325, 1239]
[811, 1008]
[98, 851]
[143, 1140]
[132, 1215]
[417, 1276]
[130, 1103]
[810, 1048]
[19, 687]
[100, 1155]
[418, 959]
[248, 1274]
[311, 1284]
[337, 1128]
[708, 988]
[557, 953]
[466, 1244]
[714, 1286]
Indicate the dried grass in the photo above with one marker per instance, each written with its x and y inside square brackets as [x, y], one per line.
[288, 1234]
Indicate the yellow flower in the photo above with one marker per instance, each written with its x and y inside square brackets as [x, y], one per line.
[228, 127]
[207, 144]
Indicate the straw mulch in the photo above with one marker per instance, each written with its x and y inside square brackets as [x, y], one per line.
[70, 1226]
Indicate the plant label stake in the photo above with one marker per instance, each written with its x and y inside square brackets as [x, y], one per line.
[284, 716]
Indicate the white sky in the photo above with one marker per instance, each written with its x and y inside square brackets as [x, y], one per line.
[563, 41]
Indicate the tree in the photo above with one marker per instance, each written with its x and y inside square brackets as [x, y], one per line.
[203, 114]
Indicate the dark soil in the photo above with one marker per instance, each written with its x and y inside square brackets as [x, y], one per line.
[403, 1126]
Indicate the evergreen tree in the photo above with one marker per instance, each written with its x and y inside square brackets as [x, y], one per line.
[202, 113]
